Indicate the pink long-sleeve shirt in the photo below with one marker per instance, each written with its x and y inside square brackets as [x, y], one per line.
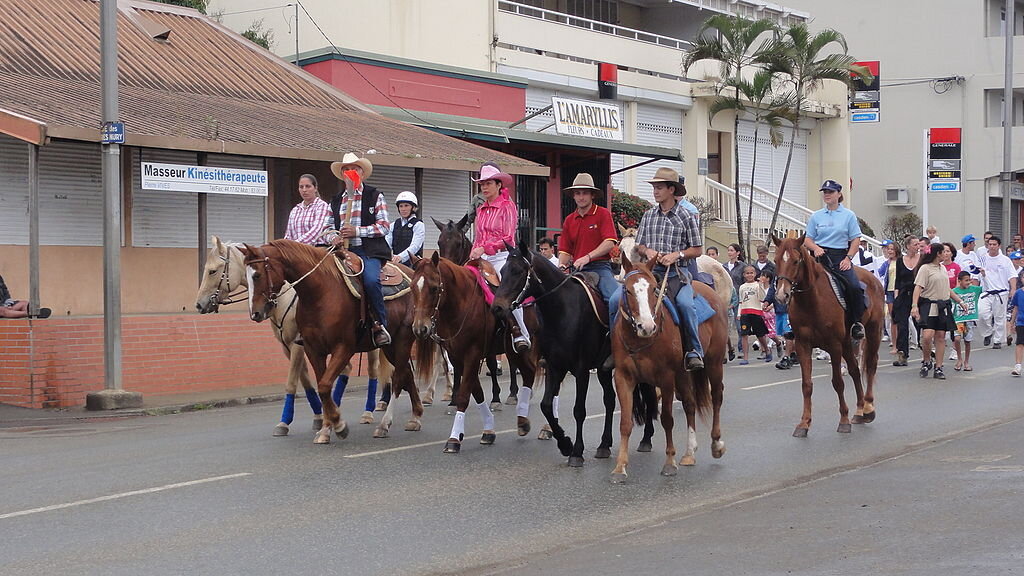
[495, 224]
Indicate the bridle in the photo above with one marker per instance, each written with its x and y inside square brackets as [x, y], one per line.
[272, 296]
[437, 307]
[225, 279]
[793, 284]
[627, 311]
[531, 275]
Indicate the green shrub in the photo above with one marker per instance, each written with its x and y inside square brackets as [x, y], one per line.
[628, 209]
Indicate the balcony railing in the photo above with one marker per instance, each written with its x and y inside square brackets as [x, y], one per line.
[593, 25]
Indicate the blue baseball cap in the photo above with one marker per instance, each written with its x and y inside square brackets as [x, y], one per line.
[1016, 255]
[831, 185]
[886, 242]
[968, 239]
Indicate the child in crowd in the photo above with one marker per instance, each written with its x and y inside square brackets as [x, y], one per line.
[965, 321]
[1017, 303]
[751, 294]
[782, 329]
[771, 310]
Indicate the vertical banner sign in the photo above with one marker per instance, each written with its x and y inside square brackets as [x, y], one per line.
[607, 81]
[865, 98]
[944, 158]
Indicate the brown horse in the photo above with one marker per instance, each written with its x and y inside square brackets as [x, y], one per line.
[648, 351]
[450, 308]
[818, 320]
[327, 320]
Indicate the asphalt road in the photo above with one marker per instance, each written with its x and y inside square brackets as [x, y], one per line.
[933, 485]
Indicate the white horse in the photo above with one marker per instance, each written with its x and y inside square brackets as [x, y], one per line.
[225, 282]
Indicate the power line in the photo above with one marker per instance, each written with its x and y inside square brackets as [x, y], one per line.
[256, 10]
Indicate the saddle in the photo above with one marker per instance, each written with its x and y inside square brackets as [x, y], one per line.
[487, 272]
[839, 285]
[395, 279]
[589, 281]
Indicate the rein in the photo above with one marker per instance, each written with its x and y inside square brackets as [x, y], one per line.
[225, 278]
[273, 296]
[518, 301]
[632, 319]
[437, 306]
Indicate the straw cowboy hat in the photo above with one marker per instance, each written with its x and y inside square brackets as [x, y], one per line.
[490, 171]
[583, 181]
[348, 160]
[670, 176]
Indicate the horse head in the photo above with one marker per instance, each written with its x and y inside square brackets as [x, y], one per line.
[453, 243]
[222, 274]
[640, 297]
[427, 291]
[265, 280]
[791, 267]
[516, 279]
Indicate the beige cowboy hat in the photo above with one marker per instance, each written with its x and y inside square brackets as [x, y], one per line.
[583, 181]
[672, 177]
[350, 159]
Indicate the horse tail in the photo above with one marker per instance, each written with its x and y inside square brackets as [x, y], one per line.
[645, 404]
[701, 384]
[425, 350]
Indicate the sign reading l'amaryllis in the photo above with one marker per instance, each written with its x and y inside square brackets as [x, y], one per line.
[586, 118]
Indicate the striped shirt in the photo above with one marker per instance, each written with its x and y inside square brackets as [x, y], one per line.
[675, 230]
[378, 229]
[306, 221]
[495, 224]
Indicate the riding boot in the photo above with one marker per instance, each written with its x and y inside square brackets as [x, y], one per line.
[380, 334]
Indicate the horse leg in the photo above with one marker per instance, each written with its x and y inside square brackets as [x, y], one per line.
[527, 366]
[803, 353]
[839, 385]
[579, 412]
[650, 396]
[470, 387]
[549, 407]
[608, 393]
[667, 422]
[326, 372]
[405, 379]
[684, 390]
[442, 360]
[513, 386]
[869, 356]
[716, 376]
[852, 357]
[297, 374]
[457, 377]
[624, 385]
[492, 367]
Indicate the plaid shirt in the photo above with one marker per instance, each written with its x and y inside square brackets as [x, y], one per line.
[306, 222]
[378, 229]
[669, 231]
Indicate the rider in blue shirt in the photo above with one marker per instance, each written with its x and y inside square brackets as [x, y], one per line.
[833, 237]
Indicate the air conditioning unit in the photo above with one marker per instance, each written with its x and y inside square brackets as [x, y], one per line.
[897, 196]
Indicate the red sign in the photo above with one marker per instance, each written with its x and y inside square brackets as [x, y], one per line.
[944, 136]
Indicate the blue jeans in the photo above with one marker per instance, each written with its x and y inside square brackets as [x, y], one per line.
[371, 284]
[607, 283]
[854, 295]
[686, 308]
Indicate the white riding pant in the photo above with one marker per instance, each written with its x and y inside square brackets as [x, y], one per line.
[498, 261]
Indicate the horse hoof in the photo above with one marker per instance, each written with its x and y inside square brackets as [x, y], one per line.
[565, 446]
[380, 432]
[452, 446]
[545, 434]
[427, 401]
[318, 423]
[669, 470]
[800, 432]
[341, 430]
[512, 400]
[618, 478]
[382, 406]
[717, 449]
[366, 418]
[523, 425]
[495, 406]
[845, 428]
[447, 397]
[644, 447]
[864, 418]
[322, 438]
[413, 426]
[487, 438]
[603, 452]
[575, 461]
[686, 461]
[282, 429]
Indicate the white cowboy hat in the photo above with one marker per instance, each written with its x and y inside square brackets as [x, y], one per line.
[350, 159]
[583, 181]
[492, 172]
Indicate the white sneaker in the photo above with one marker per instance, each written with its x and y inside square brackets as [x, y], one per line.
[885, 337]
[1016, 370]
[952, 355]
[822, 355]
[755, 346]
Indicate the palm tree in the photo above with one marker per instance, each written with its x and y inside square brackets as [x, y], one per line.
[765, 105]
[731, 43]
[797, 55]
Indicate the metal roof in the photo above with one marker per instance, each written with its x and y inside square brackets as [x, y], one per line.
[203, 88]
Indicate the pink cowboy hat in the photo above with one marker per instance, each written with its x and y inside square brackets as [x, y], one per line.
[492, 172]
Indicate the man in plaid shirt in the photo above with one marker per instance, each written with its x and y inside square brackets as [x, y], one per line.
[669, 233]
[366, 227]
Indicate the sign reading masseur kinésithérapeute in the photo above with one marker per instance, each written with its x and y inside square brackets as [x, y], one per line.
[586, 118]
[208, 179]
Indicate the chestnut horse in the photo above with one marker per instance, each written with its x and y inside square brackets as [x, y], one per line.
[224, 281]
[451, 309]
[648, 350]
[327, 320]
[818, 320]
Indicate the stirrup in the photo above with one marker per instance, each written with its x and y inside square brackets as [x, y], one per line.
[380, 334]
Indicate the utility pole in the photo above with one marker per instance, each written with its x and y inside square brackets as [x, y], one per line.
[113, 395]
[1006, 176]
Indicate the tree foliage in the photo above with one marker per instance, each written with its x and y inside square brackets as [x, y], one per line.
[896, 227]
[865, 228]
[200, 5]
[258, 35]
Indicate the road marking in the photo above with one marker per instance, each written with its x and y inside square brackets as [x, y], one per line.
[121, 495]
[999, 469]
[771, 384]
[442, 442]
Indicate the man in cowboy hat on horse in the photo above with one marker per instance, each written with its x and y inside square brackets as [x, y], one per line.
[670, 234]
[588, 235]
[365, 225]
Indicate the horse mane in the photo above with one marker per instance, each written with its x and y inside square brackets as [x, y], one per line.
[304, 254]
[811, 269]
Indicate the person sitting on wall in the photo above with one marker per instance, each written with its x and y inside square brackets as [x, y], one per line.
[11, 308]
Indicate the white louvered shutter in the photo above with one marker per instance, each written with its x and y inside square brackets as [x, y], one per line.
[446, 196]
[70, 194]
[13, 191]
[232, 216]
[657, 126]
[160, 218]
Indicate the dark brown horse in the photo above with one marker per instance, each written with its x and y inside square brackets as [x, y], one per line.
[648, 350]
[818, 320]
[328, 320]
[450, 308]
